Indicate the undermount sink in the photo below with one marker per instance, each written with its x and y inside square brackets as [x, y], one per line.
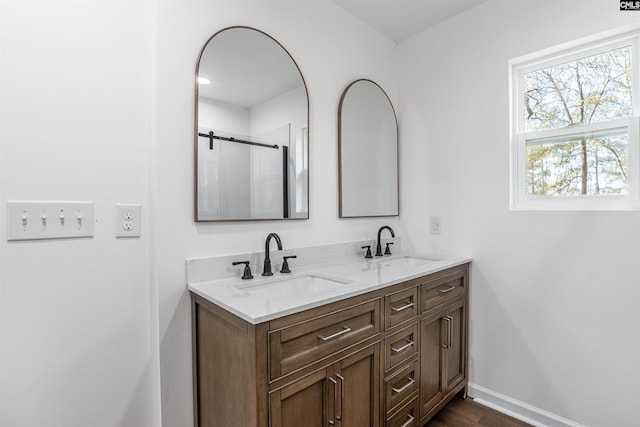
[405, 261]
[306, 283]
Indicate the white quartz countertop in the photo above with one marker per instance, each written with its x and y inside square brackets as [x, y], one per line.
[266, 298]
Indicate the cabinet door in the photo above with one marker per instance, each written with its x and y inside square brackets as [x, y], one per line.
[346, 394]
[358, 377]
[455, 354]
[304, 402]
[432, 341]
[442, 355]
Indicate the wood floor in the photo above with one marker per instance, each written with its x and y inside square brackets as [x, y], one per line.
[467, 413]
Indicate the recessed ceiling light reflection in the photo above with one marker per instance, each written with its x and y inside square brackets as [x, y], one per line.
[203, 81]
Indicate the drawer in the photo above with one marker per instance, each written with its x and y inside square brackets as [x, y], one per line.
[400, 306]
[442, 288]
[400, 386]
[306, 342]
[405, 416]
[401, 346]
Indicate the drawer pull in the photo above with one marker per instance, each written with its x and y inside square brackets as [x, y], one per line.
[403, 348]
[404, 387]
[403, 308]
[409, 421]
[446, 290]
[344, 330]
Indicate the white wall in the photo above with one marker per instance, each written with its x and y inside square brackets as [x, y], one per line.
[97, 104]
[332, 49]
[213, 114]
[555, 296]
[78, 317]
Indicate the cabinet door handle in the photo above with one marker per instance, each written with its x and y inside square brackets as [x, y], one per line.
[404, 387]
[409, 421]
[447, 342]
[446, 290]
[404, 307]
[344, 330]
[341, 378]
[403, 348]
[335, 395]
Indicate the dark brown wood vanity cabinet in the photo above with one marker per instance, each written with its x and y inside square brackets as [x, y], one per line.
[390, 357]
[443, 335]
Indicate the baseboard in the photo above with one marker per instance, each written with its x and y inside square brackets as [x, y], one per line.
[517, 409]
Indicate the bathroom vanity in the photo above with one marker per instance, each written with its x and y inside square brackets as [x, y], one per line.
[364, 343]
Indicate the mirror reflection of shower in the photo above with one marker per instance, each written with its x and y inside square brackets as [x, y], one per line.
[261, 176]
[252, 140]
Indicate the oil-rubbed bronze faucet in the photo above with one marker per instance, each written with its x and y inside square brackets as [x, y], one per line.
[379, 246]
[246, 275]
[266, 271]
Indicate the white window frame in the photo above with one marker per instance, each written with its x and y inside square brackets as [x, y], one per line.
[518, 67]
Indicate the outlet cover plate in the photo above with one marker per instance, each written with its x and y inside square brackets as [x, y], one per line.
[128, 220]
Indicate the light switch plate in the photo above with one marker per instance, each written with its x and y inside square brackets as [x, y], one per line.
[49, 220]
[435, 224]
[128, 220]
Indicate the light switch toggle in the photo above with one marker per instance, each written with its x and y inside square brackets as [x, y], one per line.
[48, 220]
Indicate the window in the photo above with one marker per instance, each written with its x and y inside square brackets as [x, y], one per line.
[575, 139]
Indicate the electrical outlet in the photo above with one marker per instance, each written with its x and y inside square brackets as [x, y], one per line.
[435, 225]
[49, 220]
[128, 220]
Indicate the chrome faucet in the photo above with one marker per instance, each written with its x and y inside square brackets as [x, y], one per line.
[267, 260]
[379, 246]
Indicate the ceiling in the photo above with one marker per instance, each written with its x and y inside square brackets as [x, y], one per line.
[400, 19]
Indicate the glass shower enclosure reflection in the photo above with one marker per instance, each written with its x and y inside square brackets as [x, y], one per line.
[241, 178]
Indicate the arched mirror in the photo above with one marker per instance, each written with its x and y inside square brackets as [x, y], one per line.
[251, 130]
[367, 152]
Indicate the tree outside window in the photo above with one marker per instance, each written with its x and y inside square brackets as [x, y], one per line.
[576, 131]
[589, 90]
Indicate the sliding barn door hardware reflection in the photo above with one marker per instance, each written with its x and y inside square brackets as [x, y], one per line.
[211, 137]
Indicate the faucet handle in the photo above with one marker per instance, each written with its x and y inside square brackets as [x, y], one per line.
[285, 264]
[387, 251]
[368, 254]
[246, 275]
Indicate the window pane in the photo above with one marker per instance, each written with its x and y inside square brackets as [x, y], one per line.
[587, 164]
[589, 90]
